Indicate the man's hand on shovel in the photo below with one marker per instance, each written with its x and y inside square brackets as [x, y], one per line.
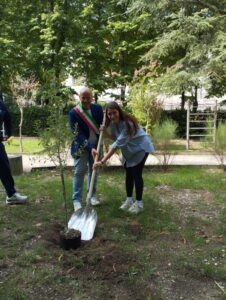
[94, 153]
[96, 163]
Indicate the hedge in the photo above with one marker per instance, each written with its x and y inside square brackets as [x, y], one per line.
[33, 115]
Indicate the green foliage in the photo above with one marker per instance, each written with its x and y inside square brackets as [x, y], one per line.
[145, 105]
[179, 116]
[189, 49]
[33, 116]
[56, 138]
[221, 137]
[162, 135]
[219, 145]
[19, 48]
[178, 232]
[103, 42]
[126, 43]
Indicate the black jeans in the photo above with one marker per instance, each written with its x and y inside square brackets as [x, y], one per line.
[5, 172]
[134, 177]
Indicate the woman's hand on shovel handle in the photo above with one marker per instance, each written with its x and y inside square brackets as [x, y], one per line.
[97, 164]
[102, 127]
[94, 153]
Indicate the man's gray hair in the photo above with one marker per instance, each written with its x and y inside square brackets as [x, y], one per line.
[85, 90]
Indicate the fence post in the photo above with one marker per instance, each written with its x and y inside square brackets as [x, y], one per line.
[188, 125]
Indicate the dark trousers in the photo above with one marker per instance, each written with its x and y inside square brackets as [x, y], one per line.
[5, 172]
[134, 177]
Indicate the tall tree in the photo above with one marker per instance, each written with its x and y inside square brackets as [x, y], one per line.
[110, 46]
[36, 36]
[23, 91]
[188, 50]
[15, 39]
[91, 55]
[127, 42]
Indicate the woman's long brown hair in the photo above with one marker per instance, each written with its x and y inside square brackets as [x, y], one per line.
[131, 121]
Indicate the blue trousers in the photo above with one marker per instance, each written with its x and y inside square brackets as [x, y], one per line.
[80, 169]
[5, 172]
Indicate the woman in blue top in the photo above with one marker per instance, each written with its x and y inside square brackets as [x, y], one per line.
[135, 145]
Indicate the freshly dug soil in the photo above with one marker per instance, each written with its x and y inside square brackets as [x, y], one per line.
[70, 234]
[70, 239]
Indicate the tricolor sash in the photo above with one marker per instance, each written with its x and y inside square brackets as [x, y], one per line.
[87, 118]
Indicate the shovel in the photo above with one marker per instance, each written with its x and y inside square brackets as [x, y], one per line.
[85, 220]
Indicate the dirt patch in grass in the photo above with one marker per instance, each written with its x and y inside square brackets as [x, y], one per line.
[174, 285]
[119, 275]
[51, 234]
[100, 260]
[172, 276]
[198, 211]
[135, 228]
[195, 203]
[4, 270]
[195, 207]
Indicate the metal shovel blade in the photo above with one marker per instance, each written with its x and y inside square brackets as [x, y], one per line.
[85, 221]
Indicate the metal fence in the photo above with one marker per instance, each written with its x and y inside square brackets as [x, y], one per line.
[203, 121]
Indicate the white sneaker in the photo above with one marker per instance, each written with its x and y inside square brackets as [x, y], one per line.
[77, 205]
[16, 198]
[94, 201]
[126, 204]
[135, 208]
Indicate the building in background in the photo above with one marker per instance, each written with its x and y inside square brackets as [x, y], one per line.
[169, 102]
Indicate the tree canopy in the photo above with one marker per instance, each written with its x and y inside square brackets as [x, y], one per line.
[179, 44]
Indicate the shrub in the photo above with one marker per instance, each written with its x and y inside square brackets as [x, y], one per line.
[219, 147]
[162, 135]
[180, 117]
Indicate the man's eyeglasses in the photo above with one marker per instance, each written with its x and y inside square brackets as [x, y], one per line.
[85, 98]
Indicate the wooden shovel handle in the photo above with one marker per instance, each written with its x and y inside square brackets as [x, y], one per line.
[96, 159]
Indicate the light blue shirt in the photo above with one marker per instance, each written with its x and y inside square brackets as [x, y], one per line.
[133, 147]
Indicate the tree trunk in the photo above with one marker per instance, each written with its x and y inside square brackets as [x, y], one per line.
[196, 97]
[63, 188]
[123, 95]
[51, 5]
[95, 97]
[183, 100]
[20, 128]
[194, 100]
[147, 121]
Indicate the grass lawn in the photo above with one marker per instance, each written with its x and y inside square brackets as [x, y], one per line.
[175, 249]
[31, 145]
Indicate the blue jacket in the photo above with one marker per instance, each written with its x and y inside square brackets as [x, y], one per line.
[81, 131]
[5, 118]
